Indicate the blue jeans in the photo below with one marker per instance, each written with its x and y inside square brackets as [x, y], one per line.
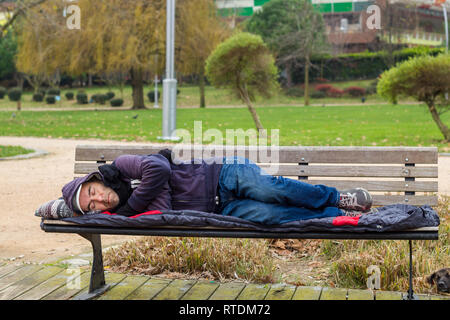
[247, 192]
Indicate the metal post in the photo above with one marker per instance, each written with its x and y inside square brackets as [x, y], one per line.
[444, 9]
[169, 83]
[97, 285]
[411, 295]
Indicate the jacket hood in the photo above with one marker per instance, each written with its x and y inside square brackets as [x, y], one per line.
[70, 189]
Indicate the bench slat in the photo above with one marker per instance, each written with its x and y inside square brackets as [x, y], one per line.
[394, 186]
[383, 200]
[418, 155]
[321, 171]
[357, 171]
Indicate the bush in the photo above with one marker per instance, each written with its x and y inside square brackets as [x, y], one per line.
[324, 87]
[15, 94]
[116, 102]
[69, 95]
[335, 93]
[318, 95]
[3, 92]
[53, 91]
[50, 99]
[99, 98]
[294, 92]
[424, 78]
[151, 95]
[244, 65]
[41, 91]
[38, 97]
[82, 98]
[110, 95]
[355, 91]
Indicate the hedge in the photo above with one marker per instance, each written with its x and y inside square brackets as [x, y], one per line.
[356, 66]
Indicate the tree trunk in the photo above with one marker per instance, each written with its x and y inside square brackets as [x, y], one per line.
[137, 86]
[256, 120]
[201, 84]
[306, 95]
[444, 129]
[289, 74]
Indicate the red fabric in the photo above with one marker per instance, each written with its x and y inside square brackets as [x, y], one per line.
[137, 215]
[147, 213]
[344, 220]
[108, 213]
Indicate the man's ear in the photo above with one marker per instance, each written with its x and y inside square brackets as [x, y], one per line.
[431, 278]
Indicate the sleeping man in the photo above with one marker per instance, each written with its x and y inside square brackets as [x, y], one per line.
[234, 186]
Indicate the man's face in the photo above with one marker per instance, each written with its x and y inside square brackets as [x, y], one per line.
[95, 196]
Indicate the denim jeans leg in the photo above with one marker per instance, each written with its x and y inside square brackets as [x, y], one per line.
[273, 213]
[248, 181]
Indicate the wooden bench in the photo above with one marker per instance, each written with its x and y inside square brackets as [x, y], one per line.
[392, 174]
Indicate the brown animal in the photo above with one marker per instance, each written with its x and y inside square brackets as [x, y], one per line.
[442, 280]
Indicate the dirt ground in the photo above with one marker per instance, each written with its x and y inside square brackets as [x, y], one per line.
[28, 183]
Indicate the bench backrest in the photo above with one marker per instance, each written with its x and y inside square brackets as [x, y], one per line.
[392, 174]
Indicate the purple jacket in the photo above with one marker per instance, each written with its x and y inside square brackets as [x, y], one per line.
[163, 185]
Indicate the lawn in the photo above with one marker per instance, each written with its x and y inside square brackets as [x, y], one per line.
[367, 125]
[9, 151]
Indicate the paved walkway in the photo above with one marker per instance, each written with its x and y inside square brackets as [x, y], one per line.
[67, 282]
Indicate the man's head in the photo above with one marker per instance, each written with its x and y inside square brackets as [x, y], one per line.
[89, 193]
[95, 196]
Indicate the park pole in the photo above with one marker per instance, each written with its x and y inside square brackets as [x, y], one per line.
[169, 83]
[444, 10]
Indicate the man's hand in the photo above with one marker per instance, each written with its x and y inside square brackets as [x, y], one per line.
[127, 211]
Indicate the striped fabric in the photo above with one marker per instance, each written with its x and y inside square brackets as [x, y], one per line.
[54, 209]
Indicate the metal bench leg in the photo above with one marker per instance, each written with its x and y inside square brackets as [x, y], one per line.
[97, 284]
[411, 295]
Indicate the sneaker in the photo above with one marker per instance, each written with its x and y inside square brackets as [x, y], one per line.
[358, 199]
[355, 213]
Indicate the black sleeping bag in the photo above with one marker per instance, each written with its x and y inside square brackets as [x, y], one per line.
[396, 217]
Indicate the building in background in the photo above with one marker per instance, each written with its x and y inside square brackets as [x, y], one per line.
[404, 23]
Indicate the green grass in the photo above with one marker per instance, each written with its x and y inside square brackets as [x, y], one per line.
[368, 125]
[189, 97]
[10, 151]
